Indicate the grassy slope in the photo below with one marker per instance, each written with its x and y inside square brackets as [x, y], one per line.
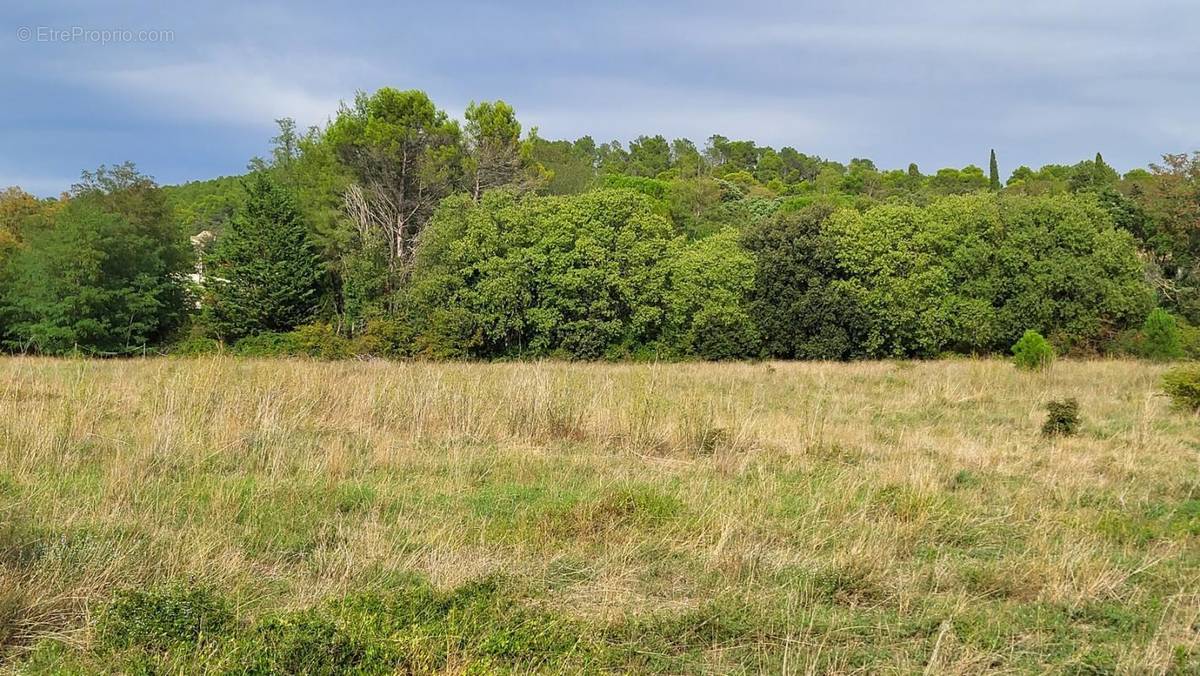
[798, 517]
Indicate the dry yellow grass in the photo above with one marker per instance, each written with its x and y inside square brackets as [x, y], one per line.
[877, 516]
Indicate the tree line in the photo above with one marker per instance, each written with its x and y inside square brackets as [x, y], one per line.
[395, 230]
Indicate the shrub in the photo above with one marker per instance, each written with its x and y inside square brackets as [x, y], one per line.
[160, 619]
[385, 338]
[451, 333]
[1062, 418]
[305, 642]
[1189, 339]
[194, 346]
[710, 280]
[1161, 339]
[647, 186]
[320, 341]
[723, 333]
[1032, 352]
[267, 345]
[582, 275]
[802, 308]
[1182, 385]
[1125, 343]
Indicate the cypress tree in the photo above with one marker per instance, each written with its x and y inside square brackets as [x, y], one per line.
[265, 273]
[1101, 171]
[993, 172]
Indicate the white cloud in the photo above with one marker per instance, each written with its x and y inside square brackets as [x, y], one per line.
[238, 88]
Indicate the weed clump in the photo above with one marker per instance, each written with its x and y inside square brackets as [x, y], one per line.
[305, 642]
[1182, 385]
[1062, 418]
[1033, 352]
[158, 620]
[623, 507]
[480, 627]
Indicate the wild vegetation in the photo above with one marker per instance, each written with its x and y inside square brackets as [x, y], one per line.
[323, 517]
[397, 231]
[463, 498]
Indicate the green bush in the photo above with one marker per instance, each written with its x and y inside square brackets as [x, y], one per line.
[320, 341]
[1062, 418]
[722, 333]
[710, 280]
[267, 345]
[647, 186]
[163, 618]
[1032, 352]
[1182, 385]
[1125, 343]
[1161, 339]
[799, 303]
[1189, 340]
[305, 642]
[582, 276]
[385, 338]
[194, 346]
[451, 333]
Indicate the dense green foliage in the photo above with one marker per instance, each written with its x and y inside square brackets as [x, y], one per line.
[1062, 418]
[1032, 352]
[1161, 338]
[403, 232]
[265, 273]
[480, 627]
[107, 276]
[800, 300]
[1182, 385]
[162, 618]
[579, 276]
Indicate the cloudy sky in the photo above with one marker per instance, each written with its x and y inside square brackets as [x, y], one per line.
[931, 81]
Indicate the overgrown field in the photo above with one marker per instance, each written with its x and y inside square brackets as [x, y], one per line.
[221, 515]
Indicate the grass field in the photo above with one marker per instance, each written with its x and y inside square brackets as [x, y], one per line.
[220, 515]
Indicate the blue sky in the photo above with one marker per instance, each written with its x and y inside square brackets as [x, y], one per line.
[930, 81]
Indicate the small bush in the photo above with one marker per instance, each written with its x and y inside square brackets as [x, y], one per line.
[320, 341]
[1189, 339]
[723, 333]
[451, 334]
[385, 338]
[1032, 352]
[1182, 385]
[1062, 418]
[267, 345]
[161, 619]
[1161, 340]
[195, 346]
[306, 642]
[648, 186]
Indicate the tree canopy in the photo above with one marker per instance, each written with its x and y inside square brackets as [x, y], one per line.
[403, 231]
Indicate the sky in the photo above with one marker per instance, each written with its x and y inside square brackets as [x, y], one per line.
[191, 90]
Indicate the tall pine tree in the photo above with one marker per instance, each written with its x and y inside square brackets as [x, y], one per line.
[265, 274]
[993, 173]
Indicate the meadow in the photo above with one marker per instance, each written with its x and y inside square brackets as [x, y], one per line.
[219, 515]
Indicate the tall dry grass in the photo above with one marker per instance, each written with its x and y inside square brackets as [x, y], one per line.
[830, 497]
